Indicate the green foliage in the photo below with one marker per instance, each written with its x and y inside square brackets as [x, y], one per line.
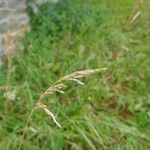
[111, 111]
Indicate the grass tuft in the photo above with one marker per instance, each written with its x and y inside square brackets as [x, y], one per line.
[111, 111]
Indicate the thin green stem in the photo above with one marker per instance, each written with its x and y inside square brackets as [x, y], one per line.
[26, 127]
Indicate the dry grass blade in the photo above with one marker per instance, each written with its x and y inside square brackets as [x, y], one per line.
[135, 10]
[5, 88]
[49, 113]
[9, 50]
[32, 129]
[78, 81]
[135, 16]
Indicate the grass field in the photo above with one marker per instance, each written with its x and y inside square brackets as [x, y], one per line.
[112, 110]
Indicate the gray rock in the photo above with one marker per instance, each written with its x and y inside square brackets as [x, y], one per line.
[14, 19]
[4, 25]
[2, 3]
[4, 12]
[22, 17]
[16, 3]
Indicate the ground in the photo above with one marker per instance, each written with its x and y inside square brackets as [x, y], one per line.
[111, 111]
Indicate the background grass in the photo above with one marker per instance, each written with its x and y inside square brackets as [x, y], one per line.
[112, 110]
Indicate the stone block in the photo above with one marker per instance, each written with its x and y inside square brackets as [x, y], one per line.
[44, 1]
[16, 3]
[1, 45]
[14, 19]
[20, 9]
[13, 23]
[23, 19]
[4, 25]
[4, 12]
[2, 3]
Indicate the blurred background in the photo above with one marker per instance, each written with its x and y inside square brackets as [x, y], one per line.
[42, 41]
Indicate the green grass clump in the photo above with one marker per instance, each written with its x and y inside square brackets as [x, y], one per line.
[111, 111]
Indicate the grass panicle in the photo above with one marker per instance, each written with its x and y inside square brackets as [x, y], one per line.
[58, 86]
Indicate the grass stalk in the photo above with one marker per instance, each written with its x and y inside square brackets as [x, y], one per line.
[58, 86]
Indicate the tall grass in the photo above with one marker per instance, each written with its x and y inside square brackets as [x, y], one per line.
[111, 111]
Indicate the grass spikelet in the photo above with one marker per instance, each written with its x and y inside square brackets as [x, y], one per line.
[49, 113]
[81, 74]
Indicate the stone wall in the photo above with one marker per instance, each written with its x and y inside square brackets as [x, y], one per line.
[14, 21]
